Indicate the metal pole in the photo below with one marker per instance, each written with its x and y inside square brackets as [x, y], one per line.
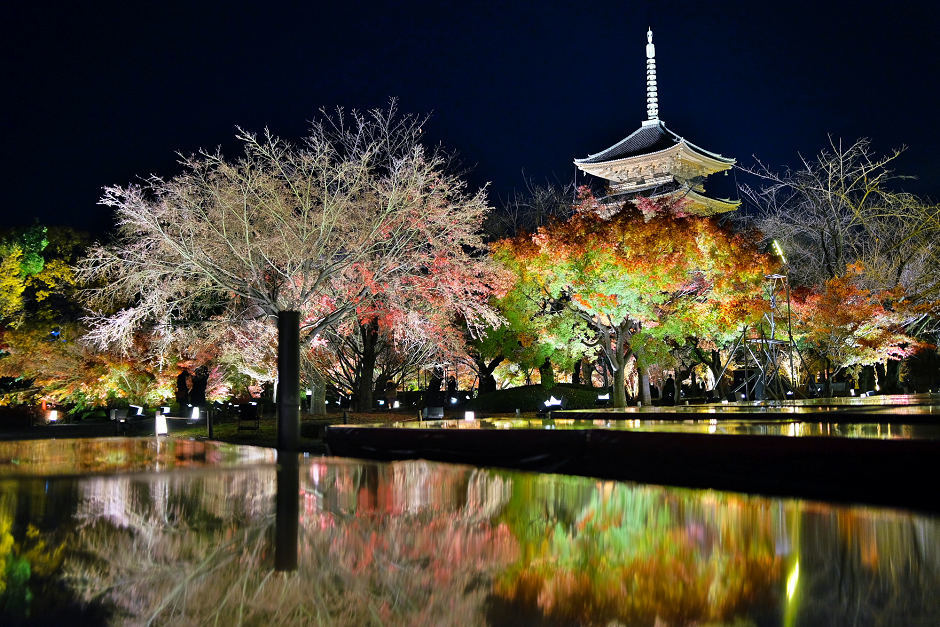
[288, 380]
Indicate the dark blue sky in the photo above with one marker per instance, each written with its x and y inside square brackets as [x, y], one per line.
[95, 96]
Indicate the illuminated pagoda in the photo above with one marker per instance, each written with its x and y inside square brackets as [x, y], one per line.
[653, 161]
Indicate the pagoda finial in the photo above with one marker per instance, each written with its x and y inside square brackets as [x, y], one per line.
[652, 100]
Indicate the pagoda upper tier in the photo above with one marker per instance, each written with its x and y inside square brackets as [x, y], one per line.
[653, 161]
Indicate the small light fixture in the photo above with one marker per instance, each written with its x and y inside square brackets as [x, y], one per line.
[468, 415]
[53, 415]
[160, 426]
[553, 402]
[140, 410]
[603, 397]
[381, 402]
[166, 410]
[396, 405]
[453, 400]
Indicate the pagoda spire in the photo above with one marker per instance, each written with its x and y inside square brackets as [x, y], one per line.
[652, 99]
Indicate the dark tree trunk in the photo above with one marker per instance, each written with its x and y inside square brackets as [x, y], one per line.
[486, 369]
[197, 396]
[576, 373]
[436, 380]
[182, 389]
[680, 377]
[369, 332]
[547, 373]
[288, 380]
[893, 377]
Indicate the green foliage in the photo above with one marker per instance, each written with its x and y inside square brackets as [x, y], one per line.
[36, 277]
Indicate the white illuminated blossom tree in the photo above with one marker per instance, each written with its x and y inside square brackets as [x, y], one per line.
[359, 210]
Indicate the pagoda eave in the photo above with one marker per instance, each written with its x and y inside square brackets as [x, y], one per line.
[681, 161]
[700, 204]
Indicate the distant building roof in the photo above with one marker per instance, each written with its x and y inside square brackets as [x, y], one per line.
[649, 138]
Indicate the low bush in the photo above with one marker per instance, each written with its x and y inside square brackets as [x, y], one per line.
[529, 398]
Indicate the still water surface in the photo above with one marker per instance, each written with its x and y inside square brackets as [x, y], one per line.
[122, 540]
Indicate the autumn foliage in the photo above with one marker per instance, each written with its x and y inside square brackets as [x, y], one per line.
[644, 278]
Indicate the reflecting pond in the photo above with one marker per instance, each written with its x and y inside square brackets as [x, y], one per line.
[725, 426]
[417, 542]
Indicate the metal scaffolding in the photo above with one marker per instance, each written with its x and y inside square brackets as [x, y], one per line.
[765, 359]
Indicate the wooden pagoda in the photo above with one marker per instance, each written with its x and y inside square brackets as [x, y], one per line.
[653, 161]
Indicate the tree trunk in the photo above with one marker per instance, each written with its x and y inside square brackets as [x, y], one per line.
[576, 373]
[486, 369]
[547, 374]
[645, 386]
[369, 332]
[893, 377]
[619, 396]
[288, 377]
[197, 395]
[318, 398]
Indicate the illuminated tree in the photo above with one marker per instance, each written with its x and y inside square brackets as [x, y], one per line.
[841, 324]
[359, 209]
[640, 279]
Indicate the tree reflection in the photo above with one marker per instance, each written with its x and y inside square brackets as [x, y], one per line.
[425, 543]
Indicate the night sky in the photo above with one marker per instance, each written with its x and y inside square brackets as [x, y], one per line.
[95, 96]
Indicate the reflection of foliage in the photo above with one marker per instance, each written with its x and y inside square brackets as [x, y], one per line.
[403, 544]
[634, 556]
[869, 570]
[22, 562]
[424, 543]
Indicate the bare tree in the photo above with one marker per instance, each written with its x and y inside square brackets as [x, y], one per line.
[530, 209]
[842, 207]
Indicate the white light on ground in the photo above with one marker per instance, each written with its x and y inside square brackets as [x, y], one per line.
[53, 415]
[140, 410]
[453, 400]
[195, 415]
[603, 397]
[396, 405]
[166, 410]
[553, 402]
[468, 415]
[381, 402]
[160, 426]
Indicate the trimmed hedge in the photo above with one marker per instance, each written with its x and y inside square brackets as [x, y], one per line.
[529, 398]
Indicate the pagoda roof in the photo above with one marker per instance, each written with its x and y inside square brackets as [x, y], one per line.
[650, 138]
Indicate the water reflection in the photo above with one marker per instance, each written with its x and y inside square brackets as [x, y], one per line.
[425, 543]
[770, 426]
